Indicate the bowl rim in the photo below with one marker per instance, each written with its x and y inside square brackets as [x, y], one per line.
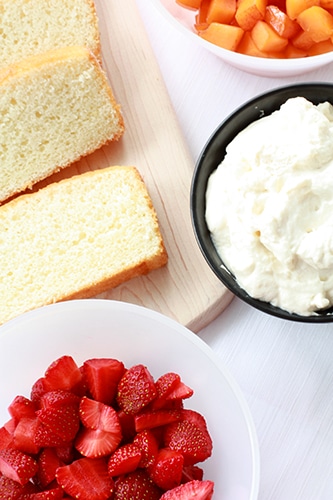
[290, 66]
[276, 97]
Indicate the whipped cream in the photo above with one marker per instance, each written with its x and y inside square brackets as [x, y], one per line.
[270, 207]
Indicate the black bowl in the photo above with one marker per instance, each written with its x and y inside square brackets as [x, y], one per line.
[212, 155]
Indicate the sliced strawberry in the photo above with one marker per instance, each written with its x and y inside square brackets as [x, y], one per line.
[180, 392]
[58, 399]
[63, 421]
[38, 389]
[167, 469]
[164, 386]
[136, 485]
[127, 425]
[187, 438]
[22, 407]
[48, 462]
[12, 490]
[94, 443]
[55, 493]
[65, 452]
[136, 389]
[191, 472]
[200, 490]
[10, 425]
[125, 459]
[86, 479]
[24, 435]
[63, 373]
[6, 438]
[17, 465]
[155, 418]
[45, 437]
[96, 415]
[102, 376]
[148, 445]
[194, 417]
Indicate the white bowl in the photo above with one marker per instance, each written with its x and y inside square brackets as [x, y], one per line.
[103, 328]
[183, 19]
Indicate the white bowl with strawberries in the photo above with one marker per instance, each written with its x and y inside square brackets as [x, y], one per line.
[108, 400]
[273, 38]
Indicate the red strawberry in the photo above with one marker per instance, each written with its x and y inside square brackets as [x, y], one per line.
[180, 392]
[127, 425]
[167, 469]
[63, 421]
[95, 443]
[136, 389]
[58, 399]
[12, 490]
[6, 438]
[22, 407]
[187, 438]
[63, 373]
[102, 376]
[51, 494]
[194, 417]
[17, 465]
[86, 479]
[125, 459]
[37, 390]
[148, 445]
[24, 435]
[48, 462]
[96, 415]
[191, 472]
[199, 490]
[151, 419]
[164, 386]
[65, 452]
[136, 485]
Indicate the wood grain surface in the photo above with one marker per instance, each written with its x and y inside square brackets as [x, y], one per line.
[186, 289]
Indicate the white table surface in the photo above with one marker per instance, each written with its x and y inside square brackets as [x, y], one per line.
[284, 369]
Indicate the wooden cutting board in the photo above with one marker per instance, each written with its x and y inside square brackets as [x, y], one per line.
[186, 289]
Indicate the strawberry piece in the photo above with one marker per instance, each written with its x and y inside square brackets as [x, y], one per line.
[6, 438]
[165, 384]
[180, 392]
[63, 422]
[94, 443]
[37, 390]
[17, 465]
[96, 415]
[10, 425]
[190, 440]
[194, 417]
[136, 389]
[63, 373]
[200, 490]
[191, 472]
[24, 435]
[125, 459]
[12, 490]
[127, 425]
[86, 479]
[22, 407]
[148, 445]
[48, 462]
[167, 469]
[102, 376]
[136, 485]
[51, 494]
[155, 418]
[65, 452]
[58, 399]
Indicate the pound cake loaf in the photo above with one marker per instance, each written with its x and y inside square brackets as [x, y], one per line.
[29, 27]
[76, 238]
[55, 108]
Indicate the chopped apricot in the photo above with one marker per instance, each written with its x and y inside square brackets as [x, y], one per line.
[292, 52]
[248, 12]
[295, 7]
[266, 39]
[280, 22]
[201, 16]
[321, 48]
[189, 4]
[248, 47]
[224, 35]
[317, 22]
[326, 4]
[303, 41]
[221, 11]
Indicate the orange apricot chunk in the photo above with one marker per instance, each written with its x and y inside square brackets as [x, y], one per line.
[303, 41]
[292, 52]
[317, 22]
[295, 7]
[248, 47]
[248, 12]
[189, 4]
[223, 35]
[221, 11]
[201, 16]
[321, 48]
[266, 39]
[280, 22]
